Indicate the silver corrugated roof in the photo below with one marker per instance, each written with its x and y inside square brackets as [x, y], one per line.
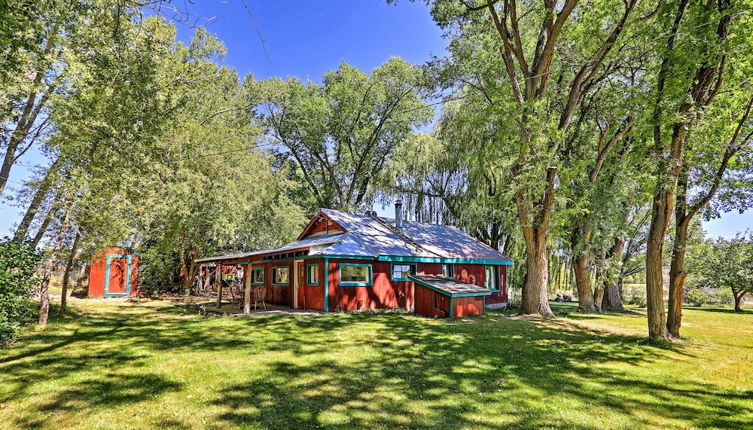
[414, 239]
[368, 236]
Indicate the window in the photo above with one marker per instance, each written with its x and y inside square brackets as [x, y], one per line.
[491, 278]
[257, 276]
[400, 271]
[312, 274]
[281, 275]
[355, 275]
[448, 270]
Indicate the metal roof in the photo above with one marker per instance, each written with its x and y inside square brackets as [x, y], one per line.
[414, 239]
[368, 236]
[449, 286]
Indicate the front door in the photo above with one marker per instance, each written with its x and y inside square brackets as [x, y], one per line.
[301, 285]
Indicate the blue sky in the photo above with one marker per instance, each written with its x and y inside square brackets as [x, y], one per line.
[305, 38]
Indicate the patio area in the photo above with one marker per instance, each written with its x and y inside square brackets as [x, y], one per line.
[235, 310]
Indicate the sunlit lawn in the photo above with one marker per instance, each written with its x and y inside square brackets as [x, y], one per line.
[151, 365]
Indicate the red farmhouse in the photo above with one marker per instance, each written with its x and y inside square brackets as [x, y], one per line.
[346, 262]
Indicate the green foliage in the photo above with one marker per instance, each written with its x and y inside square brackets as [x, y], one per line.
[18, 262]
[340, 135]
[728, 265]
[696, 298]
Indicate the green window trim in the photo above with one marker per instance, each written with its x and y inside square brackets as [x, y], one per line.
[253, 271]
[494, 279]
[273, 275]
[450, 270]
[413, 271]
[309, 282]
[369, 283]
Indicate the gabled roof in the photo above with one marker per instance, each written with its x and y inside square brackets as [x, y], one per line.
[375, 237]
[414, 239]
[450, 287]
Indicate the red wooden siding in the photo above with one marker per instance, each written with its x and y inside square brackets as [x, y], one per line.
[431, 303]
[383, 293]
[312, 297]
[464, 306]
[309, 297]
[118, 272]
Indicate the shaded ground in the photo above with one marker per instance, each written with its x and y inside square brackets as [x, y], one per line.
[134, 365]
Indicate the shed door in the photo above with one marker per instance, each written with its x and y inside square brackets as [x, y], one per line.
[117, 275]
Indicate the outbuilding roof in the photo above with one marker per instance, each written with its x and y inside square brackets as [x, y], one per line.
[449, 286]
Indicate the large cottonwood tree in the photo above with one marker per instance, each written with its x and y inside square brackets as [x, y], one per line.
[340, 134]
[535, 62]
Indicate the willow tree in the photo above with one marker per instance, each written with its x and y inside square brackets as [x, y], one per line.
[341, 133]
[535, 62]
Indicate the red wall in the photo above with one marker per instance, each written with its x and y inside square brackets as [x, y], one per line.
[430, 303]
[98, 270]
[382, 294]
[463, 306]
[476, 272]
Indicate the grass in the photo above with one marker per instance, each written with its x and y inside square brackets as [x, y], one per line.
[118, 365]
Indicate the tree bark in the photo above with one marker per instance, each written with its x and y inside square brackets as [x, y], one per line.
[36, 201]
[677, 273]
[43, 227]
[738, 295]
[661, 212]
[44, 292]
[534, 296]
[75, 253]
[583, 284]
[82, 274]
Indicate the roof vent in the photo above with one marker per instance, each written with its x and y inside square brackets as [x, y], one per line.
[371, 214]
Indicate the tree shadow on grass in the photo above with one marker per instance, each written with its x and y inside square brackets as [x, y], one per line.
[468, 374]
[104, 392]
[381, 370]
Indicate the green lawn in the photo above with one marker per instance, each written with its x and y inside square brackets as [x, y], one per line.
[151, 365]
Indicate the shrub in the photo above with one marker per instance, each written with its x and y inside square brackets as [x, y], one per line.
[17, 284]
[635, 297]
[696, 297]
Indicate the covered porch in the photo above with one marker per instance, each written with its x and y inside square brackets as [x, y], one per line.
[255, 283]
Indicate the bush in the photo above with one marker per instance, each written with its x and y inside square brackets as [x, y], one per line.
[635, 297]
[696, 297]
[17, 284]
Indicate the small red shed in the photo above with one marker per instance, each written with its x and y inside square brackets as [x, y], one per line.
[438, 296]
[113, 273]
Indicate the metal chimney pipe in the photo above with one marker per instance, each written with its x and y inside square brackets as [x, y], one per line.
[399, 214]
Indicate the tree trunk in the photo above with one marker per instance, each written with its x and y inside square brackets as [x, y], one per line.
[75, 253]
[44, 292]
[677, 277]
[36, 201]
[612, 300]
[612, 297]
[43, 228]
[583, 284]
[81, 275]
[661, 212]
[738, 300]
[534, 296]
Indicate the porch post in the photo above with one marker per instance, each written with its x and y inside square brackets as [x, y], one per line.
[247, 288]
[219, 284]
